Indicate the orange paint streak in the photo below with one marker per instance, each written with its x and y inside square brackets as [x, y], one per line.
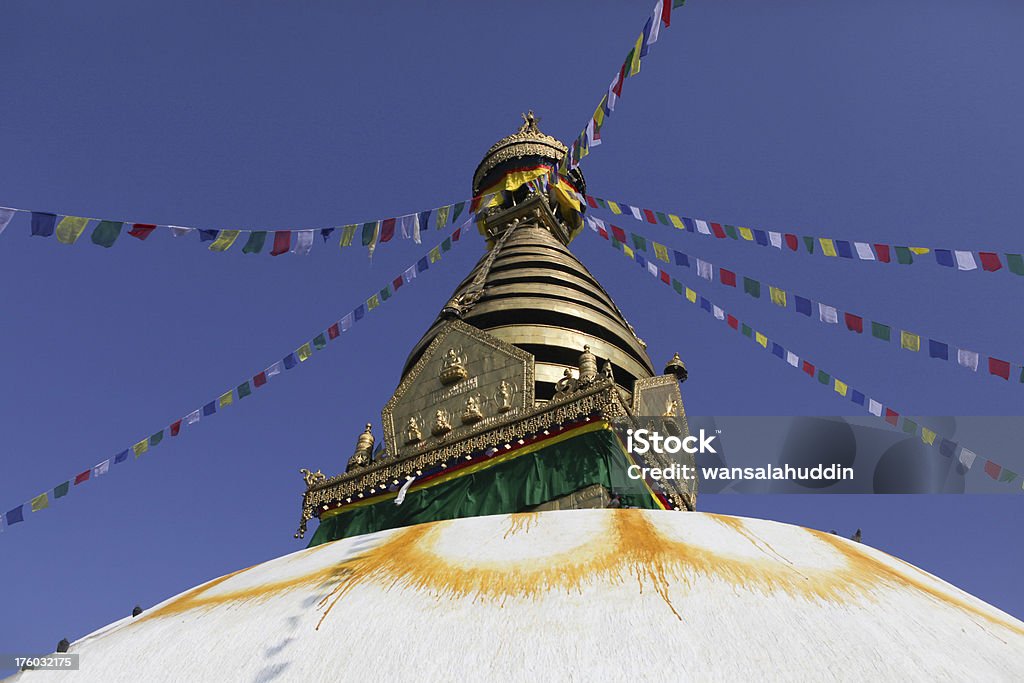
[521, 521]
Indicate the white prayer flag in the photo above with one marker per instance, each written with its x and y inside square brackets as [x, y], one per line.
[828, 314]
[612, 97]
[101, 469]
[864, 252]
[346, 322]
[792, 359]
[416, 228]
[704, 269]
[702, 227]
[719, 313]
[636, 213]
[967, 457]
[874, 407]
[652, 269]
[303, 242]
[193, 417]
[965, 260]
[178, 232]
[274, 369]
[655, 23]
[967, 359]
[776, 239]
[409, 275]
[405, 224]
[404, 490]
[592, 139]
[5, 217]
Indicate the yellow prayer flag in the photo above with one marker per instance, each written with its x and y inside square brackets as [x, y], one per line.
[927, 435]
[305, 351]
[920, 250]
[761, 339]
[661, 251]
[841, 387]
[778, 296]
[599, 112]
[39, 502]
[691, 295]
[70, 229]
[347, 233]
[634, 68]
[629, 252]
[746, 234]
[676, 221]
[141, 447]
[910, 341]
[225, 238]
[225, 399]
[435, 254]
[372, 303]
[615, 208]
[828, 247]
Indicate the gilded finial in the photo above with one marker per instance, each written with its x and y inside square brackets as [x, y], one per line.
[530, 121]
[676, 367]
[364, 450]
[587, 366]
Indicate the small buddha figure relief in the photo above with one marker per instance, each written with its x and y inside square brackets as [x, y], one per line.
[453, 367]
[671, 408]
[441, 424]
[669, 417]
[606, 370]
[472, 413]
[504, 396]
[413, 434]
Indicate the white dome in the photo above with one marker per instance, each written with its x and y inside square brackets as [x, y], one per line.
[594, 595]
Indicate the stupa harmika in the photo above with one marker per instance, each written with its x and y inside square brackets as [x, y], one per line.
[520, 550]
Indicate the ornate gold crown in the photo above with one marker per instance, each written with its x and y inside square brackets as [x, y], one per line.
[528, 141]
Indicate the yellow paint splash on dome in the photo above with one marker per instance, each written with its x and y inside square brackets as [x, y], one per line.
[521, 521]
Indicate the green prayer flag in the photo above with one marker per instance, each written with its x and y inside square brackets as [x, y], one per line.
[61, 490]
[442, 216]
[747, 332]
[106, 233]
[617, 244]
[639, 242]
[156, 438]
[1007, 475]
[880, 331]
[243, 390]
[678, 286]
[254, 244]
[447, 244]
[369, 233]
[458, 209]
[600, 202]
[730, 230]
[385, 294]
[824, 378]
[909, 426]
[319, 341]
[809, 243]
[662, 218]
[348, 233]
[904, 256]
[1015, 263]
[752, 287]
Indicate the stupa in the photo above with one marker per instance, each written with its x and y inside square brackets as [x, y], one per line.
[497, 537]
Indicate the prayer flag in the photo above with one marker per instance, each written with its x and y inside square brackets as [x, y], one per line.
[254, 244]
[967, 457]
[639, 242]
[947, 448]
[752, 287]
[864, 252]
[874, 407]
[259, 379]
[808, 368]
[348, 233]
[435, 255]
[989, 261]
[880, 331]
[16, 515]
[927, 436]
[802, 305]
[746, 234]
[225, 238]
[156, 438]
[676, 221]
[809, 244]
[619, 234]
[775, 238]
[290, 361]
[660, 251]
[325, 233]
[792, 242]
[840, 387]
[824, 377]
[178, 231]
[727, 277]
[883, 252]
[141, 447]
[442, 216]
[303, 242]
[141, 230]
[42, 223]
[746, 330]
[967, 359]
[5, 217]
[282, 242]
[717, 229]
[1015, 262]
[305, 351]
[447, 244]
[457, 210]
[106, 233]
[210, 408]
[778, 296]
[175, 427]
[704, 269]
[243, 391]
[857, 397]
[854, 323]
[891, 416]
[372, 303]
[101, 469]
[732, 321]
[205, 235]
[192, 417]
[274, 369]
[910, 341]
[718, 313]
[991, 469]
[909, 426]
[844, 249]
[319, 341]
[705, 304]
[1008, 475]
[827, 314]
[761, 237]
[225, 399]
[793, 359]
[691, 295]
[965, 260]
[387, 229]
[777, 350]
[61, 490]
[937, 349]
[904, 256]
[827, 246]
[944, 257]
[82, 477]
[422, 265]
[681, 258]
[70, 229]
[40, 502]
[761, 339]
[999, 368]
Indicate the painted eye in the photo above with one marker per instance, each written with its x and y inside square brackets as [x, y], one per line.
[818, 441]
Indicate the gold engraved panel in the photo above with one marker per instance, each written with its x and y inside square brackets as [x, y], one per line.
[465, 379]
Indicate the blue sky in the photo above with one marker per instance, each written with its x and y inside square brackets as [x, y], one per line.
[875, 121]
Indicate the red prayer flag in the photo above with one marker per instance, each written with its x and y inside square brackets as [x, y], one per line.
[397, 282]
[717, 229]
[260, 379]
[733, 322]
[617, 88]
[792, 242]
[175, 428]
[666, 12]
[619, 234]
[457, 234]
[665, 278]
[649, 215]
[282, 242]
[590, 200]
[990, 261]
[387, 229]
[883, 252]
[334, 332]
[809, 369]
[891, 416]
[727, 277]
[992, 469]
[1000, 368]
[83, 477]
[854, 323]
[141, 230]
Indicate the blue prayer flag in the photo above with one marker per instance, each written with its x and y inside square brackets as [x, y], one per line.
[640, 260]
[688, 222]
[16, 515]
[290, 361]
[644, 47]
[210, 408]
[944, 257]
[857, 397]
[937, 349]
[802, 305]
[360, 312]
[422, 265]
[681, 258]
[207, 235]
[761, 237]
[425, 219]
[705, 304]
[947, 448]
[844, 248]
[121, 457]
[778, 350]
[326, 232]
[42, 225]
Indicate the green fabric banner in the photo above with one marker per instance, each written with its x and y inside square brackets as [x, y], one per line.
[255, 242]
[106, 233]
[512, 486]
